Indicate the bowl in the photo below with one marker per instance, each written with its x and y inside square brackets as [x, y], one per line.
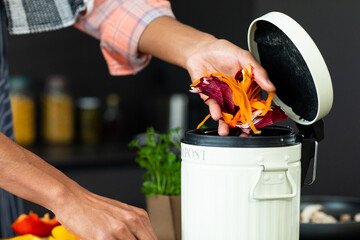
[335, 206]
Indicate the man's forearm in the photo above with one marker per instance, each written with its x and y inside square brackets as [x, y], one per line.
[27, 176]
[172, 41]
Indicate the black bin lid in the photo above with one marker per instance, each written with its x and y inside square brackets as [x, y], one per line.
[295, 66]
[271, 136]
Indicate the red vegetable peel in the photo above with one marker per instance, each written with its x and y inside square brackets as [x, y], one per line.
[32, 224]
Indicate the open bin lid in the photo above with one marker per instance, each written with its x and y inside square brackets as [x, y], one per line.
[295, 66]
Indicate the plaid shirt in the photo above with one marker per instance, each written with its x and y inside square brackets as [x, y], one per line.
[32, 16]
[118, 24]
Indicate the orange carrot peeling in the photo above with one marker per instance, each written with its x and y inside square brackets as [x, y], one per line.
[203, 121]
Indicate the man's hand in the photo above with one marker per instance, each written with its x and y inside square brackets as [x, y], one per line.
[86, 215]
[199, 53]
[223, 56]
[89, 217]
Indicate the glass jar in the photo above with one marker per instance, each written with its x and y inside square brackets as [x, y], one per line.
[89, 120]
[58, 112]
[23, 110]
[112, 127]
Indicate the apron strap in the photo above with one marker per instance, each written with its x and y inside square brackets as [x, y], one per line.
[10, 206]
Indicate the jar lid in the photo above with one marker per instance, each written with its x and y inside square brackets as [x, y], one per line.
[19, 82]
[295, 66]
[271, 136]
[88, 103]
[56, 82]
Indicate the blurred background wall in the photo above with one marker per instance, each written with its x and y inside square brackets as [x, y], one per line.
[333, 25]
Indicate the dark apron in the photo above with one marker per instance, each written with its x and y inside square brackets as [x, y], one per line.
[10, 205]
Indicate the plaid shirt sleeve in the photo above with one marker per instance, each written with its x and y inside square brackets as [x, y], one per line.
[119, 24]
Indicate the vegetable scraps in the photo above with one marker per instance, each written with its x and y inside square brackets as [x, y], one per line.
[239, 99]
[58, 233]
[61, 233]
[32, 224]
[25, 237]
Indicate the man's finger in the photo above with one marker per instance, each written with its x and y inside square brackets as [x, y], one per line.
[137, 227]
[146, 221]
[262, 79]
[123, 233]
[215, 112]
[223, 129]
[214, 108]
[260, 74]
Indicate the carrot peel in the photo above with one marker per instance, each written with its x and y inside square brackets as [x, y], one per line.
[203, 121]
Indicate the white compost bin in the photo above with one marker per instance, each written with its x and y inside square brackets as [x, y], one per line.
[248, 188]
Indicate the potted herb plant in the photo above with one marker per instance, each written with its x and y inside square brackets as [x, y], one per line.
[160, 156]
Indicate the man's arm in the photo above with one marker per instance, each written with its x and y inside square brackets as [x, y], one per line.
[27, 176]
[172, 41]
[85, 214]
[199, 53]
